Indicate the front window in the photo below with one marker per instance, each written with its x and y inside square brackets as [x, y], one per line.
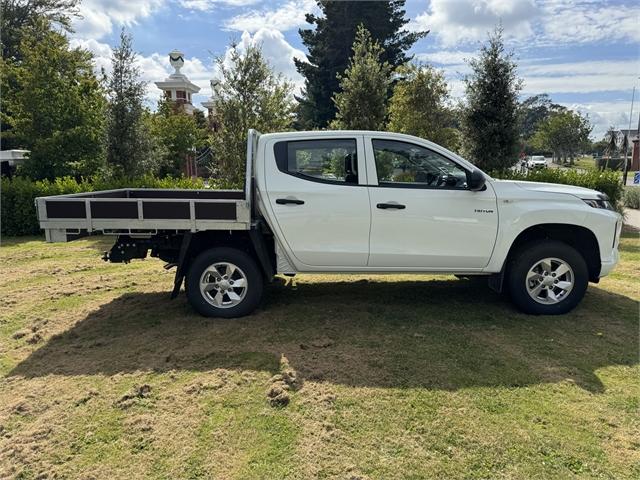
[403, 164]
[321, 160]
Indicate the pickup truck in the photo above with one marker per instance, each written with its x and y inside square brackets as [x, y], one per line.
[358, 202]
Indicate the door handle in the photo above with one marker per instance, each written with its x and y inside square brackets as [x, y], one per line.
[289, 201]
[385, 206]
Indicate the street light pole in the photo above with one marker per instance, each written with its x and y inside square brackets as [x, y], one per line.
[626, 143]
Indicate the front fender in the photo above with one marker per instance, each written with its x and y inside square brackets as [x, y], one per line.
[523, 211]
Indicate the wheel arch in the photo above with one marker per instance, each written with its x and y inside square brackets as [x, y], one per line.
[577, 236]
[254, 242]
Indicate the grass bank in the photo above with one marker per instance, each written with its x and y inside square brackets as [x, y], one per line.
[102, 376]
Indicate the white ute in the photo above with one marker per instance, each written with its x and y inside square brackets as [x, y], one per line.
[358, 202]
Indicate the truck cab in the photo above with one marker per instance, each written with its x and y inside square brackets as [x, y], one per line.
[373, 202]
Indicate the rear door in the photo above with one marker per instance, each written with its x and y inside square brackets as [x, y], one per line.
[423, 214]
[316, 189]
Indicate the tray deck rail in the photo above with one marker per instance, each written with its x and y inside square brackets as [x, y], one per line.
[142, 212]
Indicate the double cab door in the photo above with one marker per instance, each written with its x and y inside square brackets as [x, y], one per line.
[377, 203]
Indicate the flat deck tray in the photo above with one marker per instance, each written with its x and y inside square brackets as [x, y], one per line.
[142, 210]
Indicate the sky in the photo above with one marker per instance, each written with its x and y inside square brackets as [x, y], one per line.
[584, 53]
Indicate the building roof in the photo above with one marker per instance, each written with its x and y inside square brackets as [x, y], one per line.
[630, 133]
[179, 82]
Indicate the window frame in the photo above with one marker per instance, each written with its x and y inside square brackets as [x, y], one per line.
[421, 186]
[283, 144]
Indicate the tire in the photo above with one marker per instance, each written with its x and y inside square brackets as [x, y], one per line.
[223, 271]
[556, 291]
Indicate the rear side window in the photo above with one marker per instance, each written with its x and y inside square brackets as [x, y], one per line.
[332, 161]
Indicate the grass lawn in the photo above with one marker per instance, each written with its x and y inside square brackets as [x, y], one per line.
[102, 376]
[586, 162]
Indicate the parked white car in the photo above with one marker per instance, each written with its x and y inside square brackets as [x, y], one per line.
[359, 202]
[536, 161]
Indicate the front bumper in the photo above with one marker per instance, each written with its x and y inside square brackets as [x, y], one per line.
[609, 264]
[606, 267]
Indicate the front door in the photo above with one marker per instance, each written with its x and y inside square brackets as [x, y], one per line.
[423, 215]
[318, 195]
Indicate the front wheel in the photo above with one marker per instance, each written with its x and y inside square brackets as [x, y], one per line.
[547, 278]
[224, 282]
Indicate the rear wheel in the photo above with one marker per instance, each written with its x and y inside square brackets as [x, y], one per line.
[224, 282]
[547, 278]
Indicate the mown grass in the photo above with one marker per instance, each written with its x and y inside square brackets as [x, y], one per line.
[102, 376]
[586, 162]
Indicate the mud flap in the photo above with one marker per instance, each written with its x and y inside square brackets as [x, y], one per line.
[181, 269]
[496, 281]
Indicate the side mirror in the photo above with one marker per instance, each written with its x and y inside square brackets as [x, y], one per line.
[475, 180]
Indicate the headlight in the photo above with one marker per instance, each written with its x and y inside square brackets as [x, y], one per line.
[602, 202]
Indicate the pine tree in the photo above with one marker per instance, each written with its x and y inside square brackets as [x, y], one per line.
[329, 45]
[362, 102]
[126, 150]
[490, 120]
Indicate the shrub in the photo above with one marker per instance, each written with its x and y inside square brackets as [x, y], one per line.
[631, 197]
[607, 181]
[610, 163]
[17, 207]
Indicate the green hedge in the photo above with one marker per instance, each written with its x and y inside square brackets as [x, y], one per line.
[18, 213]
[606, 181]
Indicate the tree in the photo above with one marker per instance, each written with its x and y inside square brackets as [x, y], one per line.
[178, 135]
[599, 148]
[565, 134]
[125, 133]
[329, 45]
[419, 107]
[490, 120]
[56, 108]
[532, 112]
[22, 18]
[611, 137]
[362, 102]
[248, 95]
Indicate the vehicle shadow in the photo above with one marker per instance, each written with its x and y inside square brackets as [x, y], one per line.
[438, 334]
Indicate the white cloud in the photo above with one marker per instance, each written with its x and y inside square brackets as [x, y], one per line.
[580, 77]
[100, 16]
[153, 68]
[445, 57]
[606, 114]
[587, 21]
[208, 5]
[457, 21]
[101, 52]
[276, 50]
[534, 22]
[286, 17]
